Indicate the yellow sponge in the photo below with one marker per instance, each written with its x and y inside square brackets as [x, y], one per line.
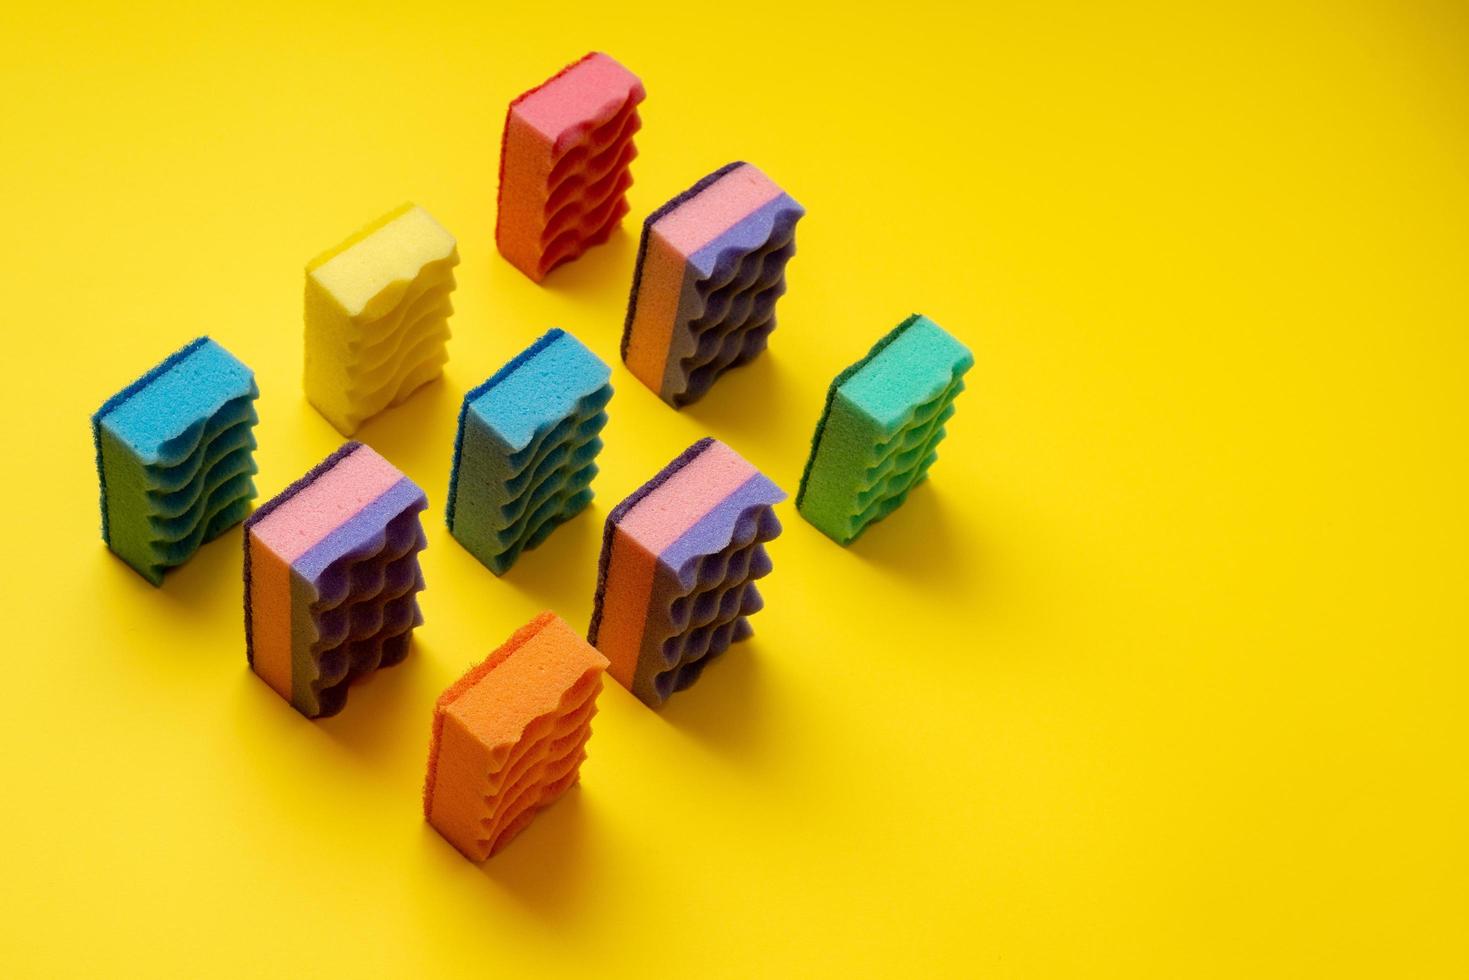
[377, 311]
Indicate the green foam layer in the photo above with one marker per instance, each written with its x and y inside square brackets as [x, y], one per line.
[878, 434]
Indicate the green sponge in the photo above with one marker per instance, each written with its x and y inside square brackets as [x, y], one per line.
[883, 420]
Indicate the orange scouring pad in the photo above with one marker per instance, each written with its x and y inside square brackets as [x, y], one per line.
[564, 164]
[510, 736]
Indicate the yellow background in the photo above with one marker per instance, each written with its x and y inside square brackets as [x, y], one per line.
[1162, 674]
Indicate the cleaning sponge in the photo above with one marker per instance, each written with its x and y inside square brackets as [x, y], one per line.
[377, 310]
[526, 451]
[510, 736]
[175, 457]
[884, 418]
[711, 264]
[564, 162]
[332, 578]
[680, 557]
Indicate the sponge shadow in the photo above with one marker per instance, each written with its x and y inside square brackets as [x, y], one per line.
[203, 587]
[725, 709]
[380, 716]
[726, 410]
[561, 572]
[409, 436]
[545, 867]
[917, 543]
[598, 274]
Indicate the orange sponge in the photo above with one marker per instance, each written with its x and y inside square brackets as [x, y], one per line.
[510, 736]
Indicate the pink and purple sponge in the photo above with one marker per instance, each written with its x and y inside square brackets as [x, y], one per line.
[332, 578]
[711, 265]
[680, 556]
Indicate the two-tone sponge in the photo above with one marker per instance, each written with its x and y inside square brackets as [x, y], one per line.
[884, 418]
[510, 736]
[564, 164]
[711, 265]
[526, 451]
[175, 457]
[332, 578]
[377, 316]
[680, 557]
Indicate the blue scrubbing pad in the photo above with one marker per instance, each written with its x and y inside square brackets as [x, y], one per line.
[525, 454]
[878, 434]
[175, 457]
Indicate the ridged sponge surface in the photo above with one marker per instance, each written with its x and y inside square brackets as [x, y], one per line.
[377, 316]
[680, 557]
[510, 736]
[565, 164]
[332, 578]
[711, 266]
[526, 450]
[880, 429]
[175, 457]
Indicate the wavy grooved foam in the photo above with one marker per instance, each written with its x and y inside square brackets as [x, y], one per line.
[175, 457]
[680, 557]
[711, 266]
[879, 432]
[565, 164]
[526, 450]
[377, 316]
[332, 578]
[510, 736]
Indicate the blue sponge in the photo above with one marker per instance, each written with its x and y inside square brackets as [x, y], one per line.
[175, 457]
[525, 454]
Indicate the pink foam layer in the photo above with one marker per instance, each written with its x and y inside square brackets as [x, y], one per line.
[660, 518]
[717, 208]
[587, 90]
[355, 481]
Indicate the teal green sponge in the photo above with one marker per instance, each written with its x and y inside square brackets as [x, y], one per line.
[176, 457]
[883, 420]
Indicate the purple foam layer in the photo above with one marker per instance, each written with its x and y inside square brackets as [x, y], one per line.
[726, 307]
[361, 586]
[354, 598]
[361, 535]
[703, 589]
[726, 522]
[709, 600]
[367, 603]
[687, 654]
[718, 262]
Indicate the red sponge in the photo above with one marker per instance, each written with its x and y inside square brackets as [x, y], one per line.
[510, 736]
[564, 164]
